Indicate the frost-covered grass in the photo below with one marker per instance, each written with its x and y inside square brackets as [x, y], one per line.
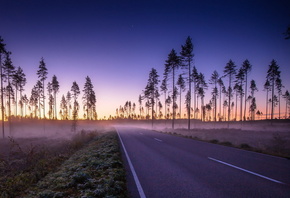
[96, 170]
[272, 143]
[25, 161]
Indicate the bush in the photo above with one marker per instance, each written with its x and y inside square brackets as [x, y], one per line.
[245, 146]
[226, 143]
[214, 141]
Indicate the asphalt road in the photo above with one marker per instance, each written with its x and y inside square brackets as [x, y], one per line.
[161, 165]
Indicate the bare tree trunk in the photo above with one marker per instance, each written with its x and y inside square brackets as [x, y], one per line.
[165, 104]
[272, 110]
[2, 101]
[55, 112]
[246, 86]
[267, 104]
[173, 99]
[220, 102]
[189, 102]
[236, 113]
[279, 106]
[241, 107]
[43, 99]
[194, 100]
[180, 105]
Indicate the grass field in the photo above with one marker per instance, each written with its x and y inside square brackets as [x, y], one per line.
[59, 163]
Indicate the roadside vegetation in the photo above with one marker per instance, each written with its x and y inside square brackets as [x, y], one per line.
[88, 165]
[271, 143]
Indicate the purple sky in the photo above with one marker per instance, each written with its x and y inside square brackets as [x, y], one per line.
[117, 43]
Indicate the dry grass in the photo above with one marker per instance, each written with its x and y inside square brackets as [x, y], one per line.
[94, 171]
[269, 143]
[24, 161]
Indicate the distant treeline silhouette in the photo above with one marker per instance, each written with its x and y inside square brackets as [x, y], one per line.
[232, 101]
[13, 81]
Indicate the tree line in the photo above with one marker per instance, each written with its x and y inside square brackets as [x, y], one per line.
[232, 92]
[15, 104]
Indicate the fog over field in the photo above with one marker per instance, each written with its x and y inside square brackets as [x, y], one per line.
[262, 135]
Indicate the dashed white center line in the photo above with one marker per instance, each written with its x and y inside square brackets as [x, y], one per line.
[158, 140]
[253, 173]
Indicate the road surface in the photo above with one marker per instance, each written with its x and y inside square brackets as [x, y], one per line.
[161, 165]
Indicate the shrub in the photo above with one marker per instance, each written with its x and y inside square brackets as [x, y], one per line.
[245, 146]
[214, 141]
[226, 143]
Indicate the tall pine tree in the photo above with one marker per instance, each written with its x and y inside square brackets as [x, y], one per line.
[230, 71]
[173, 63]
[42, 75]
[187, 57]
[151, 90]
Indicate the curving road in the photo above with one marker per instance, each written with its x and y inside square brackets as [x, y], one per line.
[161, 165]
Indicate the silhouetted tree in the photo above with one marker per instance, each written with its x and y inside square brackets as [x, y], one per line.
[2, 53]
[273, 74]
[140, 105]
[208, 108]
[33, 101]
[55, 89]
[164, 85]
[187, 101]
[221, 87]
[253, 107]
[63, 107]
[8, 72]
[194, 78]
[133, 110]
[240, 79]
[258, 113]
[167, 103]
[279, 90]
[187, 57]
[236, 90]
[181, 85]
[19, 81]
[39, 89]
[75, 93]
[89, 98]
[151, 90]
[42, 75]
[214, 81]
[68, 100]
[173, 63]
[267, 88]
[160, 109]
[247, 67]
[274, 102]
[50, 100]
[286, 96]
[230, 71]
[201, 86]
[24, 101]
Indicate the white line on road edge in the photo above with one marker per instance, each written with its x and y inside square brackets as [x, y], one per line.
[273, 180]
[158, 140]
[139, 187]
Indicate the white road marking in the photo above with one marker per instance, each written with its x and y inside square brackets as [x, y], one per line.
[158, 140]
[268, 178]
[139, 187]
